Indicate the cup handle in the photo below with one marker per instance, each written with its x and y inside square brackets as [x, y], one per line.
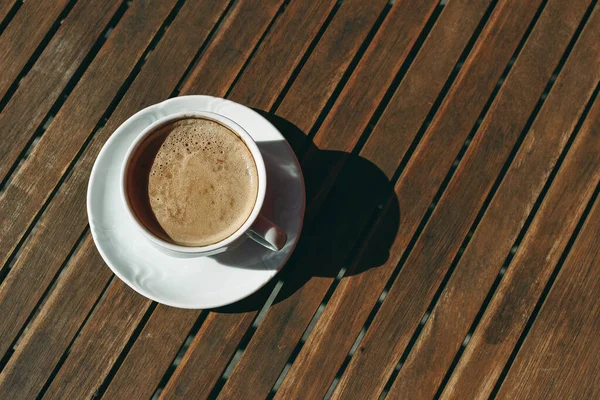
[267, 233]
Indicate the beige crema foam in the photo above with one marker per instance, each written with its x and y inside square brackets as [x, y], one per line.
[203, 182]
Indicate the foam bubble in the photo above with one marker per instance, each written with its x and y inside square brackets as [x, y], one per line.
[203, 183]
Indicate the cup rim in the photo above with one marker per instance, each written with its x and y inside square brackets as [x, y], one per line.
[248, 141]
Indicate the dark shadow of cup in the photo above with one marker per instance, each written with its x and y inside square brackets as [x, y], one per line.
[345, 195]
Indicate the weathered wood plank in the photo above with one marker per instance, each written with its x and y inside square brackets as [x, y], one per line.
[225, 45]
[53, 211]
[328, 62]
[348, 118]
[153, 352]
[5, 8]
[229, 37]
[41, 87]
[373, 60]
[23, 35]
[243, 92]
[429, 260]
[559, 358]
[281, 52]
[33, 182]
[218, 69]
[224, 323]
[59, 320]
[478, 267]
[411, 100]
[410, 104]
[90, 359]
[207, 350]
[169, 60]
[300, 303]
[63, 223]
[506, 316]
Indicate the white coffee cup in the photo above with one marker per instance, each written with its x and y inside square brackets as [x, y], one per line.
[256, 226]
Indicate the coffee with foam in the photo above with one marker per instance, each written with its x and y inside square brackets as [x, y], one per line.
[192, 182]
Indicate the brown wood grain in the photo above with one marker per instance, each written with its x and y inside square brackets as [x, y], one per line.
[433, 252]
[215, 79]
[348, 118]
[410, 104]
[199, 371]
[269, 70]
[42, 86]
[62, 204]
[22, 36]
[434, 52]
[268, 54]
[152, 353]
[83, 369]
[21, 202]
[169, 60]
[478, 267]
[116, 316]
[202, 350]
[328, 62]
[5, 7]
[559, 358]
[396, 50]
[233, 36]
[65, 218]
[32, 183]
[505, 317]
[301, 306]
[57, 323]
[331, 56]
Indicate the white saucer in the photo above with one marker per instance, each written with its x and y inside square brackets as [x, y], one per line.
[202, 282]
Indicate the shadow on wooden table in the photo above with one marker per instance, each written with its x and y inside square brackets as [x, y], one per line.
[337, 220]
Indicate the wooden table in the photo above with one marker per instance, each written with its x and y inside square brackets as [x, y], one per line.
[451, 152]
